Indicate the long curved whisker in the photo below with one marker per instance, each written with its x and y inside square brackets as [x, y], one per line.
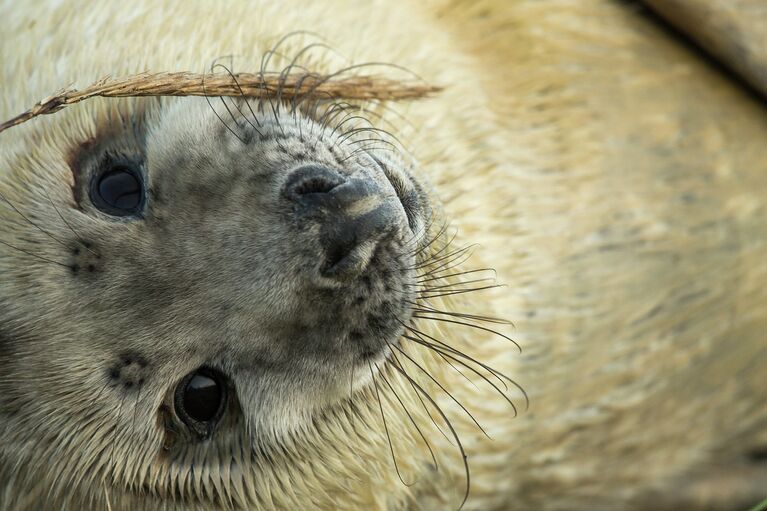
[431, 277]
[444, 354]
[444, 347]
[79, 238]
[442, 387]
[467, 471]
[497, 374]
[210, 104]
[412, 421]
[22, 215]
[36, 256]
[247, 103]
[471, 325]
[450, 286]
[386, 428]
[422, 308]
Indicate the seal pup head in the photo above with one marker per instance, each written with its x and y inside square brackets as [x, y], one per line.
[211, 290]
[207, 306]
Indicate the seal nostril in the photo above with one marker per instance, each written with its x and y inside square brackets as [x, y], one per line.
[311, 179]
[314, 185]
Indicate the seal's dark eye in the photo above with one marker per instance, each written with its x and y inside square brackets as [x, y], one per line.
[118, 190]
[199, 400]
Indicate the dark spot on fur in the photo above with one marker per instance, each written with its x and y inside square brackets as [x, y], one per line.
[131, 369]
[355, 336]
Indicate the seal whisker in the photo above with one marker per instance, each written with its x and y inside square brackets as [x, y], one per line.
[370, 129]
[231, 114]
[445, 356]
[412, 420]
[456, 284]
[247, 103]
[452, 285]
[111, 468]
[286, 70]
[431, 277]
[353, 67]
[350, 116]
[470, 325]
[365, 150]
[457, 438]
[36, 256]
[446, 260]
[133, 421]
[438, 236]
[266, 58]
[386, 427]
[442, 387]
[22, 215]
[329, 108]
[420, 399]
[79, 238]
[450, 350]
[106, 497]
[207, 98]
[499, 376]
[423, 308]
[382, 141]
[433, 257]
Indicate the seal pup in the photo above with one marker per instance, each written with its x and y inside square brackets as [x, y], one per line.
[237, 304]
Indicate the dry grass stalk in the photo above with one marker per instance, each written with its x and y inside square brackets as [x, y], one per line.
[249, 85]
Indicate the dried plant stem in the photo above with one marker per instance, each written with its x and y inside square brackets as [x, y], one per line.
[251, 85]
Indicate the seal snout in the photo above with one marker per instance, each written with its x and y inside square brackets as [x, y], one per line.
[353, 213]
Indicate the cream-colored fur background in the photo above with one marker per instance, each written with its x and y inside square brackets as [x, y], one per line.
[614, 179]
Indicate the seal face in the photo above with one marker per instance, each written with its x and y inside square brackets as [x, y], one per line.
[228, 280]
[291, 255]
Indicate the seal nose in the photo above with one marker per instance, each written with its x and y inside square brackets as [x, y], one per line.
[353, 214]
[307, 185]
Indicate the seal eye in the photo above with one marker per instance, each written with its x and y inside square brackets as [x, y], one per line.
[118, 190]
[199, 400]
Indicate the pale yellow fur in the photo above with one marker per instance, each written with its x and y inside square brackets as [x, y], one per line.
[596, 161]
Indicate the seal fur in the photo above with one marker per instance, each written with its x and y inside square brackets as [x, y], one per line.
[93, 316]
